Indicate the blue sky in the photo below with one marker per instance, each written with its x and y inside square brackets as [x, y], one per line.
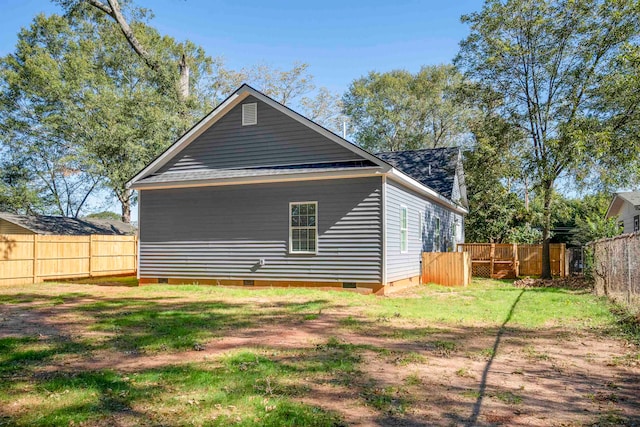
[340, 40]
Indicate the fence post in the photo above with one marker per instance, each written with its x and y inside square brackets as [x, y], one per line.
[90, 255]
[516, 262]
[492, 256]
[35, 258]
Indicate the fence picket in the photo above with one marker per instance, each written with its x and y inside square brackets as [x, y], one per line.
[29, 259]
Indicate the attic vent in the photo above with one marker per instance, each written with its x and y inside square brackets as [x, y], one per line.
[249, 114]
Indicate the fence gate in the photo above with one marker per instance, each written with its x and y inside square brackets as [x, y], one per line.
[575, 260]
[508, 261]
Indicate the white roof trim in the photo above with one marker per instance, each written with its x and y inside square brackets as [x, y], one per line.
[307, 176]
[190, 136]
[411, 183]
[238, 96]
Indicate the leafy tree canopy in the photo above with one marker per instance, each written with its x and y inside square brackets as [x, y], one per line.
[399, 110]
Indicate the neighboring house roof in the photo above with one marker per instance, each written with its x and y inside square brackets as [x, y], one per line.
[43, 224]
[619, 199]
[435, 168]
[413, 176]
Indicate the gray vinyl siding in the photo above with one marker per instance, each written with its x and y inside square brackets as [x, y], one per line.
[275, 140]
[404, 265]
[223, 232]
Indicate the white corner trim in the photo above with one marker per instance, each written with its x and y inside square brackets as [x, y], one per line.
[409, 182]
[384, 229]
[138, 238]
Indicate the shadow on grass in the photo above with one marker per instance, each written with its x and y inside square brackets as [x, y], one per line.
[245, 387]
[477, 407]
[262, 387]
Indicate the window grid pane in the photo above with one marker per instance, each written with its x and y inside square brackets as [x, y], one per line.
[404, 244]
[303, 227]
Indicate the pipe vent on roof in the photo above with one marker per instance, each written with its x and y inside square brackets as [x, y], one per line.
[249, 114]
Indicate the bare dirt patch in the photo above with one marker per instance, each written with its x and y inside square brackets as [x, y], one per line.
[380, 370]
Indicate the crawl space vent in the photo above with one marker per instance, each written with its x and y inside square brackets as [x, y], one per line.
[249, 114]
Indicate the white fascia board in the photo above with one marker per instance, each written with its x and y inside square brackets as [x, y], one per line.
[609, 213]
[316, 127]
[294, 177]
[411, 183]
[191, 135]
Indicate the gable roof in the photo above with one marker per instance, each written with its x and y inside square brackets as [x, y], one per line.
[411, 171]
[435, 168]
[232, 101]
[44, 224]
[632, 197]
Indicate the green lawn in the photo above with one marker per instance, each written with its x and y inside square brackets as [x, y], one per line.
[67, 351]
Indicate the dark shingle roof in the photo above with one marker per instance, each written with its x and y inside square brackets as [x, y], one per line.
[415, 163]
[43, 224]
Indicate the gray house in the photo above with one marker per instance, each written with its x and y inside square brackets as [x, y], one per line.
[626, 207]
[256, 194]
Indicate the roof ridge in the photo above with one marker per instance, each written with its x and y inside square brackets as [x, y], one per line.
[418, 149]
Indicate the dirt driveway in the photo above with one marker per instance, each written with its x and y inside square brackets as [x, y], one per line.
[188, 356]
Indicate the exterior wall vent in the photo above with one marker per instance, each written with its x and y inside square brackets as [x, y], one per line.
[249, 114]
[349, 285]
[163, 280]
[248, 282]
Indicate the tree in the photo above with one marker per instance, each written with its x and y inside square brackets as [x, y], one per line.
[83, 110]
[294, 88]
[103, 215]
[399, 110]
[547, 59]
[36, 83]
[16, 192]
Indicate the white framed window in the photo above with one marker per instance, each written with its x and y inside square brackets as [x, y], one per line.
[636, 223]
[436, 234]
[420, 227]
[404, 229]
[458, 230]
[303, 227]
[249, 114]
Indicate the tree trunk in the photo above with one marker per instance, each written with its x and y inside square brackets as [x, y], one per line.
[125, 202]
[126, 211]
[183, 83]
[526, 194]
[546, 231]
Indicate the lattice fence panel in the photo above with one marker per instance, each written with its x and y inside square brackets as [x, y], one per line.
[481, 270]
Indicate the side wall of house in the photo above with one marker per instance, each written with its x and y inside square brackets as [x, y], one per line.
[223, 232]
[7, 227]
[627, 214]
[405, 265]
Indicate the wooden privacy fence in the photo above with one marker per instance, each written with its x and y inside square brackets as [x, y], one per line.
[446, 268]
[504, 261]
[33, 258]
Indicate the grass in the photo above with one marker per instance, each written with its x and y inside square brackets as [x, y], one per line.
[253, 385]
